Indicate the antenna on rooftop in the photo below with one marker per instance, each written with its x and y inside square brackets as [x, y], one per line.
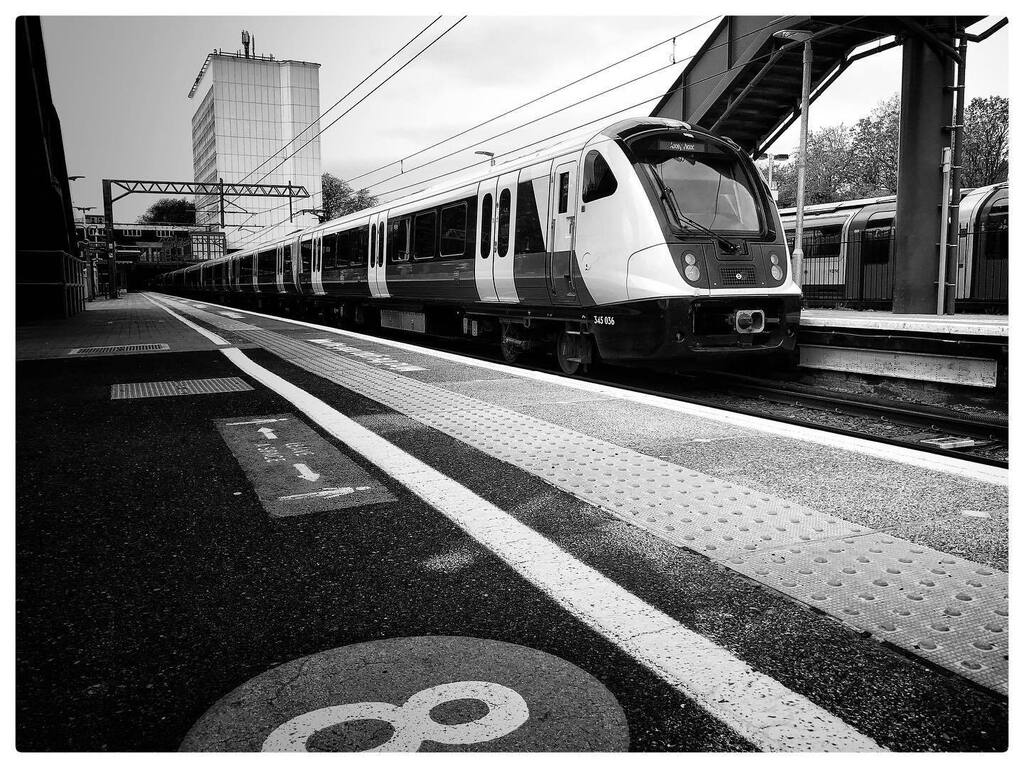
[245, 42]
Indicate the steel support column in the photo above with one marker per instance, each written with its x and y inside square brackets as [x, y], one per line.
[925, 113]
[108, 224]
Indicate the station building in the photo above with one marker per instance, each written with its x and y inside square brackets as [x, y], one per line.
[250, 108]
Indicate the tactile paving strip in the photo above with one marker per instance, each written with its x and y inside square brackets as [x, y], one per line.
[945, 609]
[119, 349]
[136, 390]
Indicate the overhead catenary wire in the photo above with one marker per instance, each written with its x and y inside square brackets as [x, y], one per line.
[580, 126]
[575, 127]
[349, 93]
[595, 120]
[554, 112]
[363, 98]
[539, 98]
[648, 49]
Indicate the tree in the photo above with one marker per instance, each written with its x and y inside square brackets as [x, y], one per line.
[830, 168]
[339, 198]
[169, 210]
[986, 141]
[876, 143]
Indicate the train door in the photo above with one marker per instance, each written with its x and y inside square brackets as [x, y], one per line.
[376, 274]
[485, 245]
[990, 278]
[561, 287]
[318, 264]
[503, 261]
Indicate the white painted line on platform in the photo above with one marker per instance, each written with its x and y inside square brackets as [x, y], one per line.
[197, 328]
[758, 707]
[935, 462]
[233, 315]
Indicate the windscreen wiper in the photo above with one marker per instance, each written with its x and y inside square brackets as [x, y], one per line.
[666, 192]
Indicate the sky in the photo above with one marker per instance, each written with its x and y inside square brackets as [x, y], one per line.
[120, 85]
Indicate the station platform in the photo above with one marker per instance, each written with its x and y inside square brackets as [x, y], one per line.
[239, 532]
[960, 350]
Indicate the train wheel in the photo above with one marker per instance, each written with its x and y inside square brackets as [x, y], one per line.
[567, 350]
[511, 344]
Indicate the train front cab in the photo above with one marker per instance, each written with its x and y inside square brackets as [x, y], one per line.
[714, 281]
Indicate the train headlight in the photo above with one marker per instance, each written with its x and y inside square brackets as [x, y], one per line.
[690, 259]
[773, 258]
[777, 272]
[692, 273]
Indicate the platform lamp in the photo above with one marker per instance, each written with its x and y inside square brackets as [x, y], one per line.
[771, 158]
[795, 36]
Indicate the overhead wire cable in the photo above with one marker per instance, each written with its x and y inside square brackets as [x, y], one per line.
[478, 142]
[534, 100]
[364, 97]
[335, 104]
[576, 127]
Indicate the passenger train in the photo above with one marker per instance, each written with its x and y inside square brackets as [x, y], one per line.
[848, 249]
[651, 242]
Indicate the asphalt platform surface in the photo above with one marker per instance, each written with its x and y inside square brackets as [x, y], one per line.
[153, 585]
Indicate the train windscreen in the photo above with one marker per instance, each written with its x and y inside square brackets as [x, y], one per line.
[702, 181]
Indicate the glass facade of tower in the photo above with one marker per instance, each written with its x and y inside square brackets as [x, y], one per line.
[249, 110]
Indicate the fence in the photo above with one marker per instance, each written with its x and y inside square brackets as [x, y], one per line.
[857, 272]
[48, 284]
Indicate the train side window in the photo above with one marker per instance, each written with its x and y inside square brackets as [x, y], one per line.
[997, 230]
[343, 249]
[373, 245]
[360, 244]
[425, 236]
[823, 242]
[504, 215]
[563, 192]
[306, 256]
[453, 229]
[246, 269]
[529, 237]
[287, 263]
[266, 266]
[876, 240]
[328, 246]
[398, 239]
[598, 179]
[485, 227]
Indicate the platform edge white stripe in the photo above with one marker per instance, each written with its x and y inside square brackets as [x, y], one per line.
[197, 328]
[899, 454]
[759, 708]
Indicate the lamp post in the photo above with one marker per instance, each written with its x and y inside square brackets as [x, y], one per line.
[771, 158]
[795, 36]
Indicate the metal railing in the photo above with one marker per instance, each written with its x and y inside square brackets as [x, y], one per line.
[858, 272]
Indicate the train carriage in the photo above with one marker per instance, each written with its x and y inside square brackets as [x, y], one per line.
[650, 242]
[849, 248]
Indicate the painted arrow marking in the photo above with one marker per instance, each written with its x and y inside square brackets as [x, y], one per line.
[326, 493]
[306, 473]
[254, 421]
[268, 433]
